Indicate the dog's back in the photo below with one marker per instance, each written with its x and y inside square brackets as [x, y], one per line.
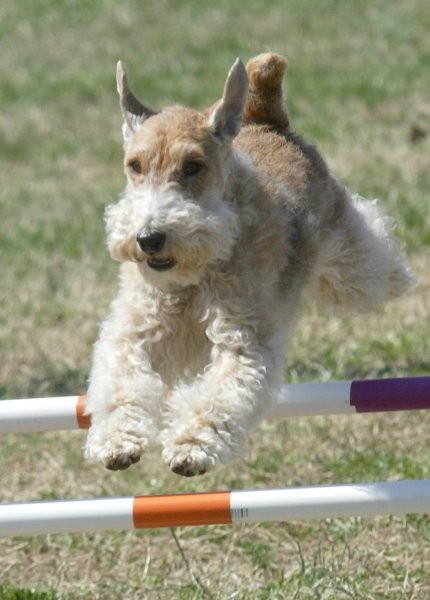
[347, 249]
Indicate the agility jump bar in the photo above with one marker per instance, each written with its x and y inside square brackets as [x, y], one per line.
[215, 508]
[296, 400]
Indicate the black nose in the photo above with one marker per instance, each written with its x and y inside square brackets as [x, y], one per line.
[151, 243]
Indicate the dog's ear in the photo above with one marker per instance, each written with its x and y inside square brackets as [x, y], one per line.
[225, 119]
[133, 111]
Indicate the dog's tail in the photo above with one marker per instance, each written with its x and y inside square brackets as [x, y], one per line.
[265, 103]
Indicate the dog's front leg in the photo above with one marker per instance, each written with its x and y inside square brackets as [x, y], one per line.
[123, 399]
[208, 421]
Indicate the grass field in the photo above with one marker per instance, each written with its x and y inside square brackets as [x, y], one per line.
[358, 84]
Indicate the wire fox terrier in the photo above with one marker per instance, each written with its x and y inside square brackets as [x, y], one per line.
[227, 218]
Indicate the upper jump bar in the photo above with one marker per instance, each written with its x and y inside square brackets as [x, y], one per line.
[296, 400]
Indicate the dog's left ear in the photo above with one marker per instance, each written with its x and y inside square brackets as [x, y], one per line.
[225, 119]
[133, 111]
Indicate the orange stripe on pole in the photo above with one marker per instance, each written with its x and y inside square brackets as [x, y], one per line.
[84, 421]
[207, 508]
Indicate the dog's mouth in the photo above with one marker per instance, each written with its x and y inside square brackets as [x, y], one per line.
[161, 264]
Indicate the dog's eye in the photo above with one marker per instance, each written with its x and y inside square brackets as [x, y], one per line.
[192, 168]
[135, 166]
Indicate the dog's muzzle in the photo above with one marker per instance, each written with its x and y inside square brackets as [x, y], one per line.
[152, 244]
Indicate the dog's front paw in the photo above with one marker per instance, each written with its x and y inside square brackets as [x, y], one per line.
[189, 459]
[116, 453]
[194, 453]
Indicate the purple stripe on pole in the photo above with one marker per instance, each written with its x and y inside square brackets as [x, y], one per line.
[380, 395]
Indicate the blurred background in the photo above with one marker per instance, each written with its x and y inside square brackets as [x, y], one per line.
[358, 86]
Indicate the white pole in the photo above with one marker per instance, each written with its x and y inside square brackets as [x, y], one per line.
[61, 413]
[321, 502]
[310, 399]
[317, 502]
[38, 414]
[66, 516]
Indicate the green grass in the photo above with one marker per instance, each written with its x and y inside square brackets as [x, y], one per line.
[357, 84]
[10, 592]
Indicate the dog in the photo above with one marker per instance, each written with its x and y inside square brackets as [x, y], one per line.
[227, 220]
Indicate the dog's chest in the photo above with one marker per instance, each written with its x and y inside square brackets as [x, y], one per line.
[182, 349]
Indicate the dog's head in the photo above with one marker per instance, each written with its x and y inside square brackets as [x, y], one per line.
[175, 216]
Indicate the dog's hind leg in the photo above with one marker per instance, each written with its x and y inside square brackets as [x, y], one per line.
[265, 103]
[359, 263]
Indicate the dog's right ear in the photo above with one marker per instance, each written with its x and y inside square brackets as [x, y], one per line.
[225, 119]
[133, 111]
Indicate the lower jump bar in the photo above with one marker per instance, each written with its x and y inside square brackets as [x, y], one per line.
[301, 399]
[211, 508]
